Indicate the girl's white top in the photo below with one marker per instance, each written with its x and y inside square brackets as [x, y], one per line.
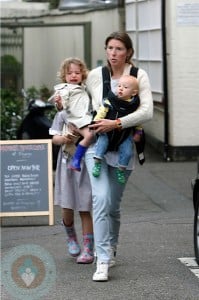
[76, 103]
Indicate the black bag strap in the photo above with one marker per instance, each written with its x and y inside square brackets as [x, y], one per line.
[134, 71]
[106, 79]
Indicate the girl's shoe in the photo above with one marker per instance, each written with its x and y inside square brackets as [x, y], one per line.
[101, 273]
[120, 176]
[77, 157]
[72, 243]
[87, 255]
[73, 247]
[96, 169]
[85, 258]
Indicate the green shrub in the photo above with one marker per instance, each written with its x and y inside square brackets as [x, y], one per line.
[14, 108]
[11, 113]
[54, 4]
[9, 64]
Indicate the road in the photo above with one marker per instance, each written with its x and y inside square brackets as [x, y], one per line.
[156, 232]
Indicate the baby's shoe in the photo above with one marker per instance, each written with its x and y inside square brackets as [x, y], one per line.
[96, 169]
[120, 176]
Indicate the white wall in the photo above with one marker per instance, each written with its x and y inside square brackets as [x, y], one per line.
[46, 47]
[183, 66]
[103, 22]
[16, 8]
[44, 50]
[143, 22]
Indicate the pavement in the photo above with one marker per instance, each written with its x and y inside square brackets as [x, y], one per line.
[156, 230]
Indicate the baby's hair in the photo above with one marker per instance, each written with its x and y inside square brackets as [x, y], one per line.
[65, 67]
[134, 80]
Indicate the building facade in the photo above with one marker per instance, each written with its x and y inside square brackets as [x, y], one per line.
[164, 34]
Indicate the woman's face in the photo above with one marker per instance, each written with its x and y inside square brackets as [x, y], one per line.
[116, 53]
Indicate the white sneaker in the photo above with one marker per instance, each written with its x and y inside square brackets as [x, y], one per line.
[101, 273]
[112, 261]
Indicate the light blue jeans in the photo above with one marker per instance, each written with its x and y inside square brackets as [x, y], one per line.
[106, 195]
[125, 149]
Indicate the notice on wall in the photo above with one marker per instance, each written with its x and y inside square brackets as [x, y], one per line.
[26, 178]
[188, 13]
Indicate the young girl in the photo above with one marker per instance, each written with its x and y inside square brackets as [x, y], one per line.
[72, 189]
[72, 193]
[76, 102]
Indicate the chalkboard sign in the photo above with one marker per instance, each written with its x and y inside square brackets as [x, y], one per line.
[26, 178]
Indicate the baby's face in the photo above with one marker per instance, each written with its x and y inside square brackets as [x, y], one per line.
[127, 87]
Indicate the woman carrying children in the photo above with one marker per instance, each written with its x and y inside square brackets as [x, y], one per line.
[106, 191]
[72, 189]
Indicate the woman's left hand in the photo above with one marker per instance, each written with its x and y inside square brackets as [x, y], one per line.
[104, 125]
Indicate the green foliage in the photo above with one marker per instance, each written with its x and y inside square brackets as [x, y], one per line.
[43, 93]
[14, 107]
[32, 93]
[9, 64]
[11, 111]
[54, 4]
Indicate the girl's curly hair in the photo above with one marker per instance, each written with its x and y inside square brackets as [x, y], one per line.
[65, 67]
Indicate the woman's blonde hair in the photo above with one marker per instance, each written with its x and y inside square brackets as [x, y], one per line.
[64, 68]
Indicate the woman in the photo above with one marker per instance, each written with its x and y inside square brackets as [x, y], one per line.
[106, 191]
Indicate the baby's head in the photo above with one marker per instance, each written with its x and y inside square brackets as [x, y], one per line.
[73, 71]
[127, 87]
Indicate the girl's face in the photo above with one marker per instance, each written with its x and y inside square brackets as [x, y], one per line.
[116, 53]
[73, 74]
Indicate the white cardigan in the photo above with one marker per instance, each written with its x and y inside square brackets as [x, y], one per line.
[145, 110]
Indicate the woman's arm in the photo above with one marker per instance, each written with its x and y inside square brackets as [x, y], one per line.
[94, 87]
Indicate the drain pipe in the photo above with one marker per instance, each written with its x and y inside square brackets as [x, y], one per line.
[165, 85]
[121, 11]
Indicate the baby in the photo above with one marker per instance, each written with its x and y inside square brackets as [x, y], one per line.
[124, 102]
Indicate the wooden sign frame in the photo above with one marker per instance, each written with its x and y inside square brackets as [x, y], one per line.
[7, 147]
